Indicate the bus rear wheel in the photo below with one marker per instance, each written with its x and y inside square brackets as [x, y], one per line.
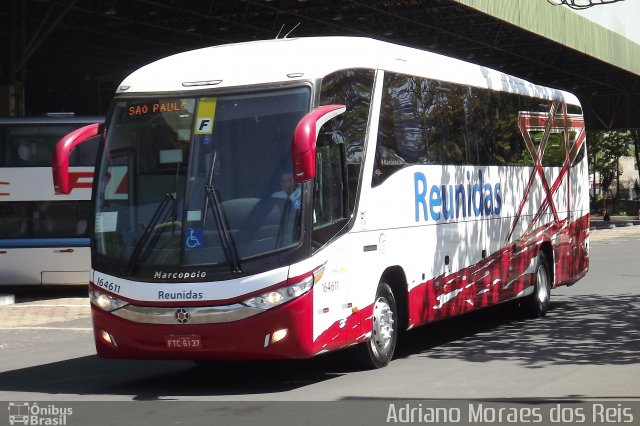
[537, 304]
[379, 349]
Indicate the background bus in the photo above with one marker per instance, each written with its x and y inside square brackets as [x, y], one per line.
[425, 187]
[44, 237]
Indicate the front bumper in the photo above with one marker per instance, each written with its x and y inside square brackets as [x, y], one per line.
[247, 338]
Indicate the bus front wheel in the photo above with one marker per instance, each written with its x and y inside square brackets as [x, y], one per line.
[378, 350]
[537, 304]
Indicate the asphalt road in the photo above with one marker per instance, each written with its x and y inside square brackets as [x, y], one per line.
[587, 348]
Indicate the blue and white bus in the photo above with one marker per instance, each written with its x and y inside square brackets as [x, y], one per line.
[44, 237]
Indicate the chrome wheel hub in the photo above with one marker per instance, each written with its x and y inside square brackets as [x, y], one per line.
[543, 286]
[382, 324]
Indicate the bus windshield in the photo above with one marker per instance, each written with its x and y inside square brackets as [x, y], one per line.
[199, 180]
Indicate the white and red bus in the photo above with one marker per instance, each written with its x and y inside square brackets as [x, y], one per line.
[285, 198]
[44, 237]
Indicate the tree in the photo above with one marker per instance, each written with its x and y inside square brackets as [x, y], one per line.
[635, 137]
[605, 150]
[595, 159]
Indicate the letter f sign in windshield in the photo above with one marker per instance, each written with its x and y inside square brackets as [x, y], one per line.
[204, 126]
[206, 114]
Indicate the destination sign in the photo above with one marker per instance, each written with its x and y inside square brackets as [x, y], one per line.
[157, 107]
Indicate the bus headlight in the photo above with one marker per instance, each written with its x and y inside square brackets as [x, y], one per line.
[104, 301]
[281, 295]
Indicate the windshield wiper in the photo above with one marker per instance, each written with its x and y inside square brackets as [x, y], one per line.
[226, 239]
[169, 198]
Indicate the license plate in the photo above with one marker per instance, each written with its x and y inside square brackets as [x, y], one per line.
[184, 343]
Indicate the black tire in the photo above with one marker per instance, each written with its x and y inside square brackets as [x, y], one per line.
[379, 349]
[536, 305]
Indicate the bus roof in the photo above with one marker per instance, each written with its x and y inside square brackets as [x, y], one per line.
[51, 119]
[304, 59]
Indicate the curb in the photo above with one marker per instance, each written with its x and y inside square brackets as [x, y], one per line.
[7, 299]
[613, 224]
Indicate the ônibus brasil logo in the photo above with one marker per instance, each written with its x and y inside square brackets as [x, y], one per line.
[30, 413]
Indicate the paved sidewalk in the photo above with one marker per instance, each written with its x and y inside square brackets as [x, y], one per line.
[43, 312]
[613, 233]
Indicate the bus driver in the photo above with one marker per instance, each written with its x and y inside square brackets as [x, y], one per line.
[289, 189]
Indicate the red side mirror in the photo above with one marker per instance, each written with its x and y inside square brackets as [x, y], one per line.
[303, 145]
[60, 159]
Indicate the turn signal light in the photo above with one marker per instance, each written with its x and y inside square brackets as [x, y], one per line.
[108, 339]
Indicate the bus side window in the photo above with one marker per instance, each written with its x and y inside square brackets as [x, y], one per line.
[15, 221]
[401, 138]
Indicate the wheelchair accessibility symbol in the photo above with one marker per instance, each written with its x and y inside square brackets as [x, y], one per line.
[194, 238]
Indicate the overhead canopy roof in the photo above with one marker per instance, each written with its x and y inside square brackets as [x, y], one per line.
[72, 54]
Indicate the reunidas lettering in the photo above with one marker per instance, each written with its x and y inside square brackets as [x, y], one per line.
[180, 295]
[442, 202]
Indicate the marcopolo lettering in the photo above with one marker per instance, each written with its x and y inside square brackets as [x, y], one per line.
[160, 275]
[441, 202]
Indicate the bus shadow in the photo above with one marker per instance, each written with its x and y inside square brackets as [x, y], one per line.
[25, 294]
[158, 380]
[590, 329]
[584, 330]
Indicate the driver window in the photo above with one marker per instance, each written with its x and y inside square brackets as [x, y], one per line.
[328, 206]
[339, 152]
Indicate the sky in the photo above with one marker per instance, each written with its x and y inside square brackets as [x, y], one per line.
[622, 17]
